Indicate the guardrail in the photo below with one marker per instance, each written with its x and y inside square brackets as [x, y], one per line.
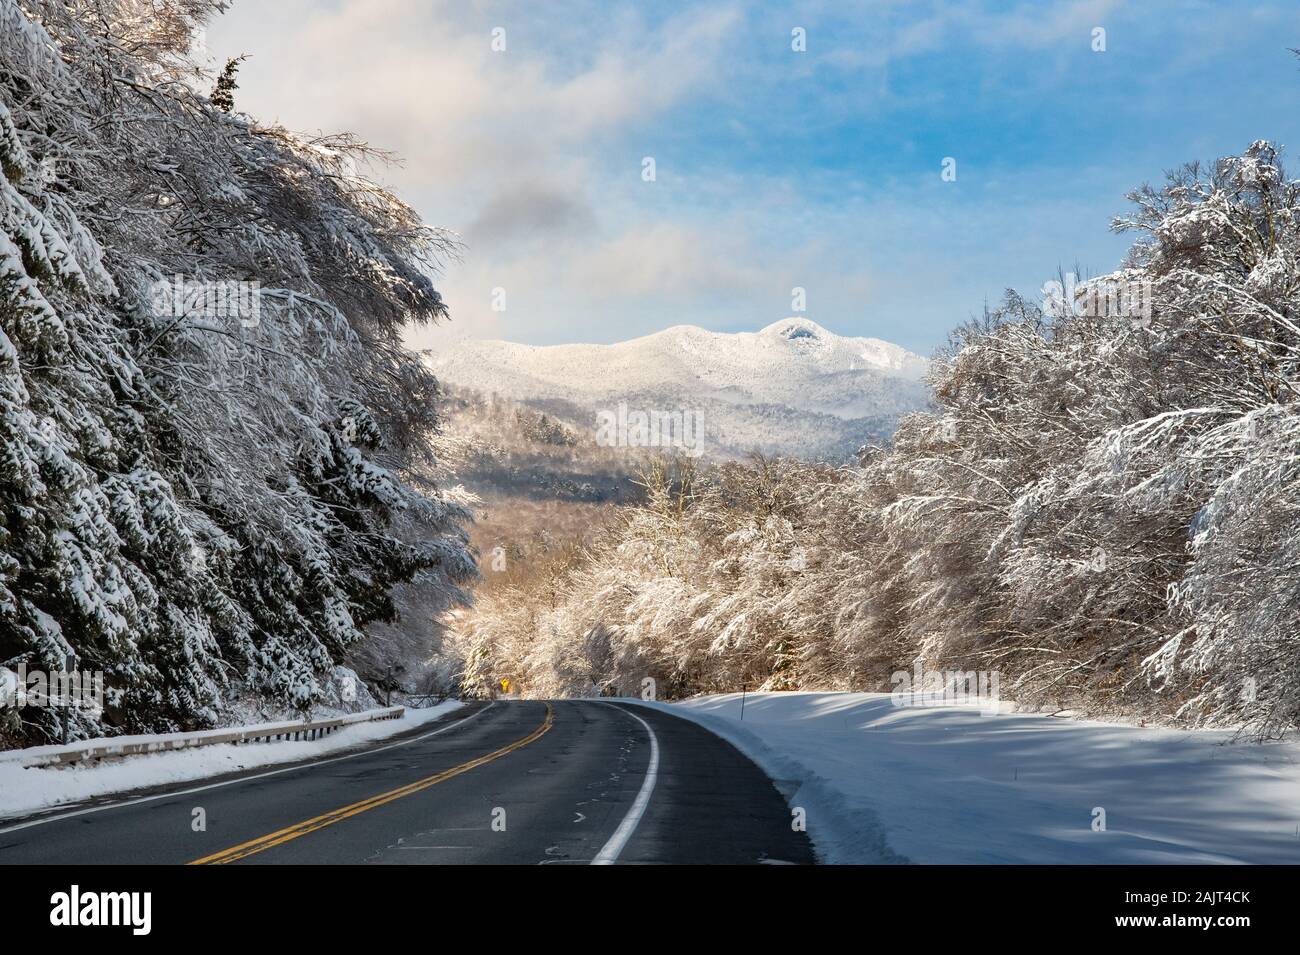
[38, 756]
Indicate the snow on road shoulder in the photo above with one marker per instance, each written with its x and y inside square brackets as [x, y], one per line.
[24, 791]
[842, 829]
[947, 785]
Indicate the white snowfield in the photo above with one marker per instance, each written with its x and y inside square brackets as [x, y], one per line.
[26, 790]
[881, 783]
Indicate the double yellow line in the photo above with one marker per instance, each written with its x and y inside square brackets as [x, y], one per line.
[245, 849]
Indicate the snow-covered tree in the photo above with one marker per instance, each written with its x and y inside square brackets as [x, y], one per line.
[196, 499]
[1104, 506]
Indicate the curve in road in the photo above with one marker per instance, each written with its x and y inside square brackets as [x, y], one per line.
[569, 781]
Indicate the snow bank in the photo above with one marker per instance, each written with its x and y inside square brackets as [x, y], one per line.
[882, 783]
[24, 791]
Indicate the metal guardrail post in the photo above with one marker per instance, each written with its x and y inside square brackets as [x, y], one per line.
[69, 665]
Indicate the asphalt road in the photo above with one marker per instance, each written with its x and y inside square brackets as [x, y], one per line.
[520, 782]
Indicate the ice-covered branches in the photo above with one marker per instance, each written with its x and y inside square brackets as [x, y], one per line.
[208, 424]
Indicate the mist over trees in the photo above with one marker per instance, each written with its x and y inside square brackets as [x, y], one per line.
[196, 506]
[1103, 506]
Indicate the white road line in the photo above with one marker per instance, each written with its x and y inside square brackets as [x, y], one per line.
[244, 779]
[610, 853]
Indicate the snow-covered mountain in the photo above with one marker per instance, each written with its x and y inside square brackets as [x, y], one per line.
[792, 388]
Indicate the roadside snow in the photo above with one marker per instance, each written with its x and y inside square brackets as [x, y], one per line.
[24, 791]
[881, 783]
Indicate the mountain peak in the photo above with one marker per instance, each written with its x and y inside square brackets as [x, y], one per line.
[795, 328]
[792, 387]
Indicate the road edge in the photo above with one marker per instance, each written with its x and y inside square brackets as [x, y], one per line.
[839, 835]
[112, 799]
[614, 846]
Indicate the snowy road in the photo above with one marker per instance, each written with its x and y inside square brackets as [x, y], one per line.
[508, 782]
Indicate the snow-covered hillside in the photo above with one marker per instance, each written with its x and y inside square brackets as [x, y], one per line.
[791, 388]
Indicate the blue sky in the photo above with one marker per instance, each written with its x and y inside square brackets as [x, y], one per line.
[774, 168]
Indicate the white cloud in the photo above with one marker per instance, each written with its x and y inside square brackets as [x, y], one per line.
[533, 154]
[422, 79]
[511, 149]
